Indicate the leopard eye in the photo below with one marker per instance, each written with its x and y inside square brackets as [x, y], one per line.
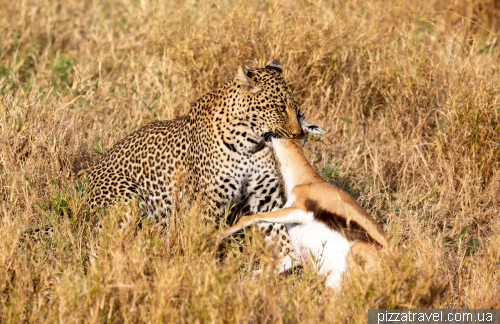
[283, 108]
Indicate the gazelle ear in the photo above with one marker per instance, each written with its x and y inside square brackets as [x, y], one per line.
[312, 129]
[244, 80]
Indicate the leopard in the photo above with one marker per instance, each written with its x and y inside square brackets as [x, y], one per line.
[220, 148]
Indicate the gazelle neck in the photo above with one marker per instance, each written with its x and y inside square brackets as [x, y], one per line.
[295, 167]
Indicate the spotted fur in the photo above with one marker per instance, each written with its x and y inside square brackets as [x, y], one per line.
[218, 149]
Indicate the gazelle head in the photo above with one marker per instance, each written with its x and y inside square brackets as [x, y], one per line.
[307, 128]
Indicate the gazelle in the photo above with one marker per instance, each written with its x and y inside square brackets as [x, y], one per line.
[324, 222]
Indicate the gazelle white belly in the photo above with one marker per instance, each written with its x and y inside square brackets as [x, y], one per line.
[324, 248]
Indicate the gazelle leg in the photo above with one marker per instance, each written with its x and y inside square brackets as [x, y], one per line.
[281, 216]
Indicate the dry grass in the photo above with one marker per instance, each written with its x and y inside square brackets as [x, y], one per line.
[407, 92]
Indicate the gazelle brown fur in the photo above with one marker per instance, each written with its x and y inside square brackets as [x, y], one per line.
[324, 222]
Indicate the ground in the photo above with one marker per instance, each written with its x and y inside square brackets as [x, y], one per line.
[407, 93]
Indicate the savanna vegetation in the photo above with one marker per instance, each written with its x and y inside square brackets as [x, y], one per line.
[407, 91]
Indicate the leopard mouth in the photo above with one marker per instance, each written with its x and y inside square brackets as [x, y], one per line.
[269, 136]
[265, 141]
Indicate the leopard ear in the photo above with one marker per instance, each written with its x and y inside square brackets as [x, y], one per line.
[243, 78]
[274, 65]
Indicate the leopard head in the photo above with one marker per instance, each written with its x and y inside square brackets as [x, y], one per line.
[268, 102]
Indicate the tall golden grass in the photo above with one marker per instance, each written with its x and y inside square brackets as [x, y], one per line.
[408, 93]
